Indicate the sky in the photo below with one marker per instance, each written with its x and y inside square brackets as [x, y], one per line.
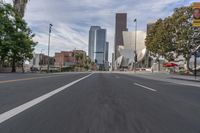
[72, 19]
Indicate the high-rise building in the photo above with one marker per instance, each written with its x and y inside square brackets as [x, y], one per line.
[20, 6]
[100, 42]
[106, 50]
[91, 45]
[120, 26]
[149, 27]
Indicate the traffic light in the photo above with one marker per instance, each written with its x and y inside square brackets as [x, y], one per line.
[135, 57]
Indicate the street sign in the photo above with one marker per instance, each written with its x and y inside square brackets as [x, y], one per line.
[196, 14]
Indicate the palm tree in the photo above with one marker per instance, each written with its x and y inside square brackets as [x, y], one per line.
[20, 6]
[81, 57]
[77, 56]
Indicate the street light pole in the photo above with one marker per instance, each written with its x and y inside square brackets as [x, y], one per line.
[135, 20]
[104, 56]
[50, 26]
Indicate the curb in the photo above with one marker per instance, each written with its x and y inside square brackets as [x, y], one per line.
[193, 80]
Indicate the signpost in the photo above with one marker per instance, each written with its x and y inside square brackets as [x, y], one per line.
[195, 65]
[196, 23]
[196, 14]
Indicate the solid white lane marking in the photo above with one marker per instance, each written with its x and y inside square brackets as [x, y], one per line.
[9, 114]
[148, 88]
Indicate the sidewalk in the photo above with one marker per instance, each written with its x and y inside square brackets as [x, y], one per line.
[186, 77]
[167, 77]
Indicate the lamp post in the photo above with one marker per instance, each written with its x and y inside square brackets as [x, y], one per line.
[50, 26]
[135, 51]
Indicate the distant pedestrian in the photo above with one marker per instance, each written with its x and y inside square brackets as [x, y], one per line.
[152, 69]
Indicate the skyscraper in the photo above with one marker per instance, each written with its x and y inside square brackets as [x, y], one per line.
[120, 26]
[149, 27]
[106, 50]
[20, 6]
[100, 42]
[91, 45]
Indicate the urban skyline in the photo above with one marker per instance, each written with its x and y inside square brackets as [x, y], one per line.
[151, 85]
[40, 13]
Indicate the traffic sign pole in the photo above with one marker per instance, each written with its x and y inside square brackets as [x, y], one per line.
[195, 65]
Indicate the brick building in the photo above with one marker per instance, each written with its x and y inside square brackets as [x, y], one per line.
[70, 58]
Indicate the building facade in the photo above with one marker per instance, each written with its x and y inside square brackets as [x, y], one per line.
[149, 27]
[64, 59]
[41, 61]
[100, 42]
[20, 6]
[106, 51]
[120, 26]
[91, 45]
[69, 58]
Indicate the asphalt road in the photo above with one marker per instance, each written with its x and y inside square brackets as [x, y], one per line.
[98, 103]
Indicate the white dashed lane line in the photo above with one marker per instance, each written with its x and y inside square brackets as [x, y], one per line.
[145, 87]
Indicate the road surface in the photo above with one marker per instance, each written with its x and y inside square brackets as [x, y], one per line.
[96, 103]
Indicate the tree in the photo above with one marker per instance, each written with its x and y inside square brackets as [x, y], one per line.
[89, 60]
[185, 41]
[77, 56]
[16, 44]
[81, 57]
[5, 30]
[159, 39]
[174, 36]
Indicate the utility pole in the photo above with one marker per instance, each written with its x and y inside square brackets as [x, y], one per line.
[104, 56]
[135, 20]
[50, 26]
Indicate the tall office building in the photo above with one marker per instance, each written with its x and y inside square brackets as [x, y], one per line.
[120, 26]
[149, 27]
[91, 45]
[100, 41]
[20, 6]
[106, 50]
